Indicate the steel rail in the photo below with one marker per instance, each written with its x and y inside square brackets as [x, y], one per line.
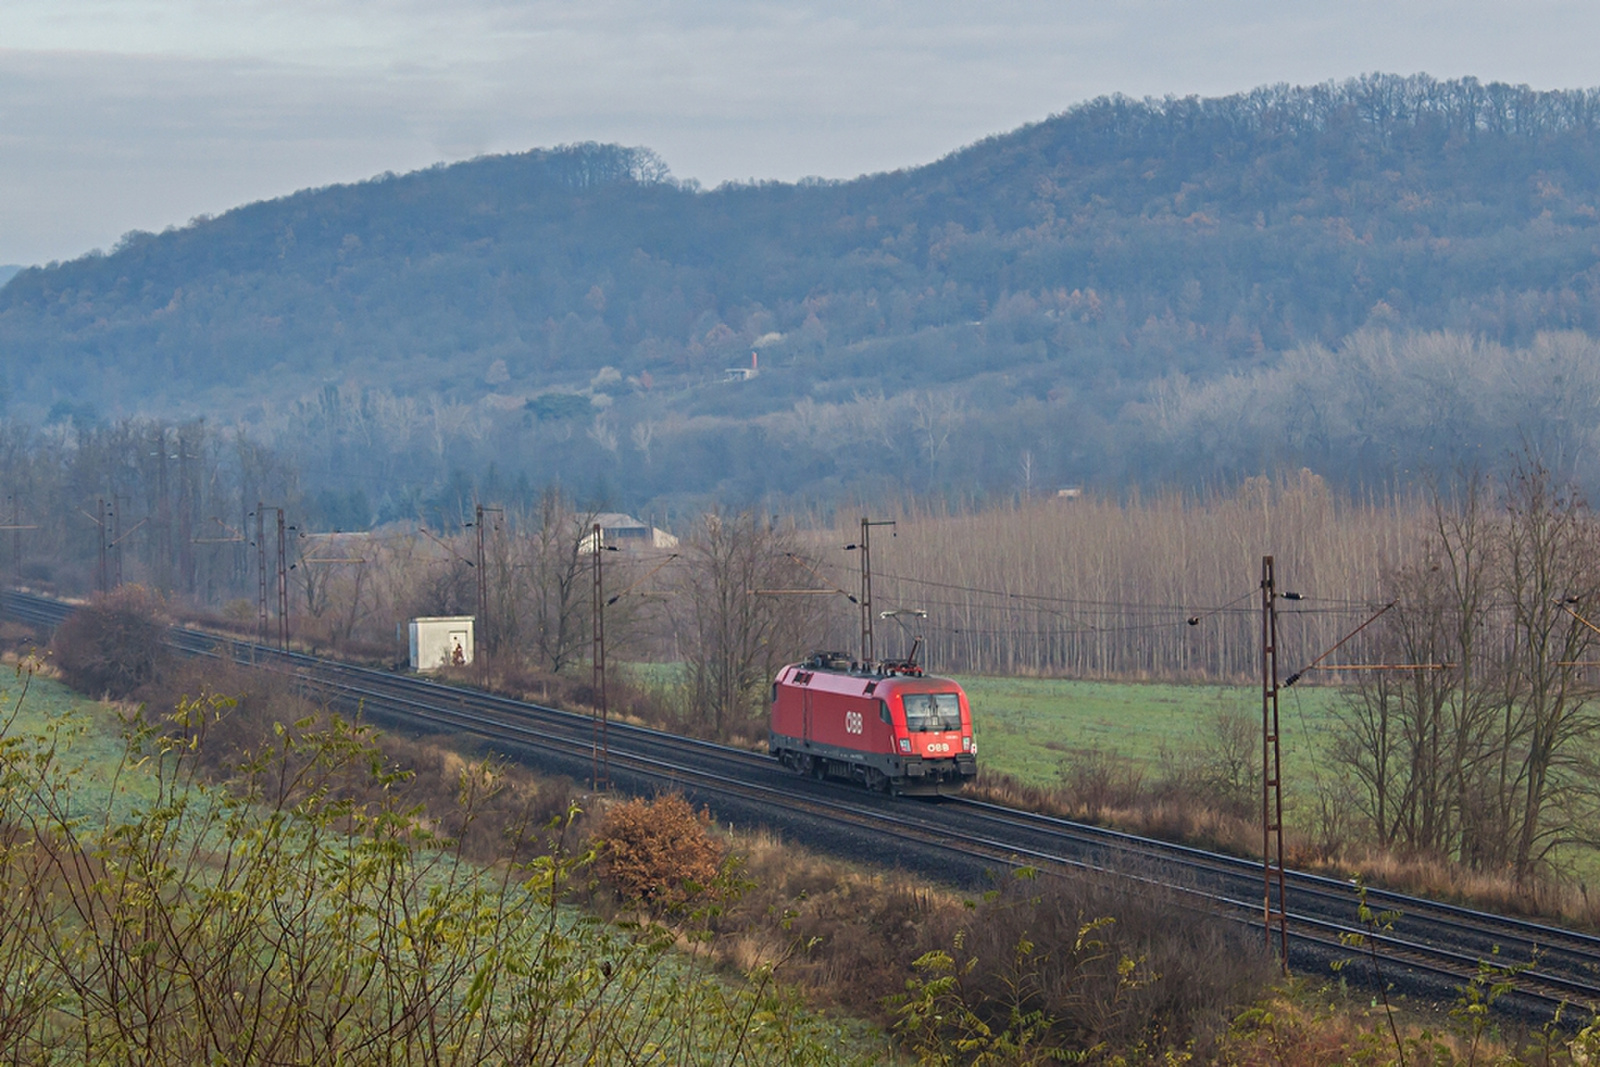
[1509, 931]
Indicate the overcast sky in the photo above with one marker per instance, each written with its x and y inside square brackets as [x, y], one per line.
[140, 114]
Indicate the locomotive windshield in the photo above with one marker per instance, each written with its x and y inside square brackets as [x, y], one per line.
[927, 712]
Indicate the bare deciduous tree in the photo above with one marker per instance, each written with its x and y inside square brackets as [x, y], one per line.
[734, 637]
[558, 571]
[1482, 752]
[1551, 547]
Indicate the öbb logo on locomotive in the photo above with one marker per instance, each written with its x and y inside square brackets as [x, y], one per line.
[883, 724]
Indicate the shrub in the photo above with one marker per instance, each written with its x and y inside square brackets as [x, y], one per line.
[484, 806]
[270, 925]
[1081, 963]
[658, 853]
[1096, 780]
[115, 644]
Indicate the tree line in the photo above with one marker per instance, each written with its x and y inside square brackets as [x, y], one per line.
[1086, 585]
[1377, 412]
[173, 505]
[213, 521]
[1162, 586]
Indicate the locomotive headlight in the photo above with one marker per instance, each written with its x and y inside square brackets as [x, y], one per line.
[966, 744]
[905, 744]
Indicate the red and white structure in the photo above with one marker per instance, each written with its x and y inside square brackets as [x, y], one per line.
[885, 725]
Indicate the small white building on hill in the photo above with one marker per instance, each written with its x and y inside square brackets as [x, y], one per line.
[625, 532]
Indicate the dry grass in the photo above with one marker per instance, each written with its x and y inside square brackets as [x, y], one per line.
[1299, 1024]
[1168, 813]
[1286, 1030]
[1440, 880]
[1165, 814]
[849, 938]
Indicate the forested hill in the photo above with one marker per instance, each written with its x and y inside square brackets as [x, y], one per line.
[1040, 279]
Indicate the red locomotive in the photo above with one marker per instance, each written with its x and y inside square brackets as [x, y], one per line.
[884, 725]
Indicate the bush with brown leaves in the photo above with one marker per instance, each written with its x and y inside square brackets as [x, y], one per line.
[115, 644]
[659, 853]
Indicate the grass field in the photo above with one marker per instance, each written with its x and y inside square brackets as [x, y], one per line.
[658, 676]
[47, 701]
[1027, 727]
[88, 736]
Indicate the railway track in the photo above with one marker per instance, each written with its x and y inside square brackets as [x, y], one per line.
[1435, 945]
[1446, 940]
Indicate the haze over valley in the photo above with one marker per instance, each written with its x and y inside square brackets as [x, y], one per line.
[1367, 279]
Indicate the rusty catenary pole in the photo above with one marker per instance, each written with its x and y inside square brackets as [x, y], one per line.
[283, 585]
[105, 580]
[601, 756]
[480, 651]
[1273, 902]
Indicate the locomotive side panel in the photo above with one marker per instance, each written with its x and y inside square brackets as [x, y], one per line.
[850, 722]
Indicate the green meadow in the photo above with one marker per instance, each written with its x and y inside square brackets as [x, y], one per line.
[33, 705]
[88, 737]
[1029, 727]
